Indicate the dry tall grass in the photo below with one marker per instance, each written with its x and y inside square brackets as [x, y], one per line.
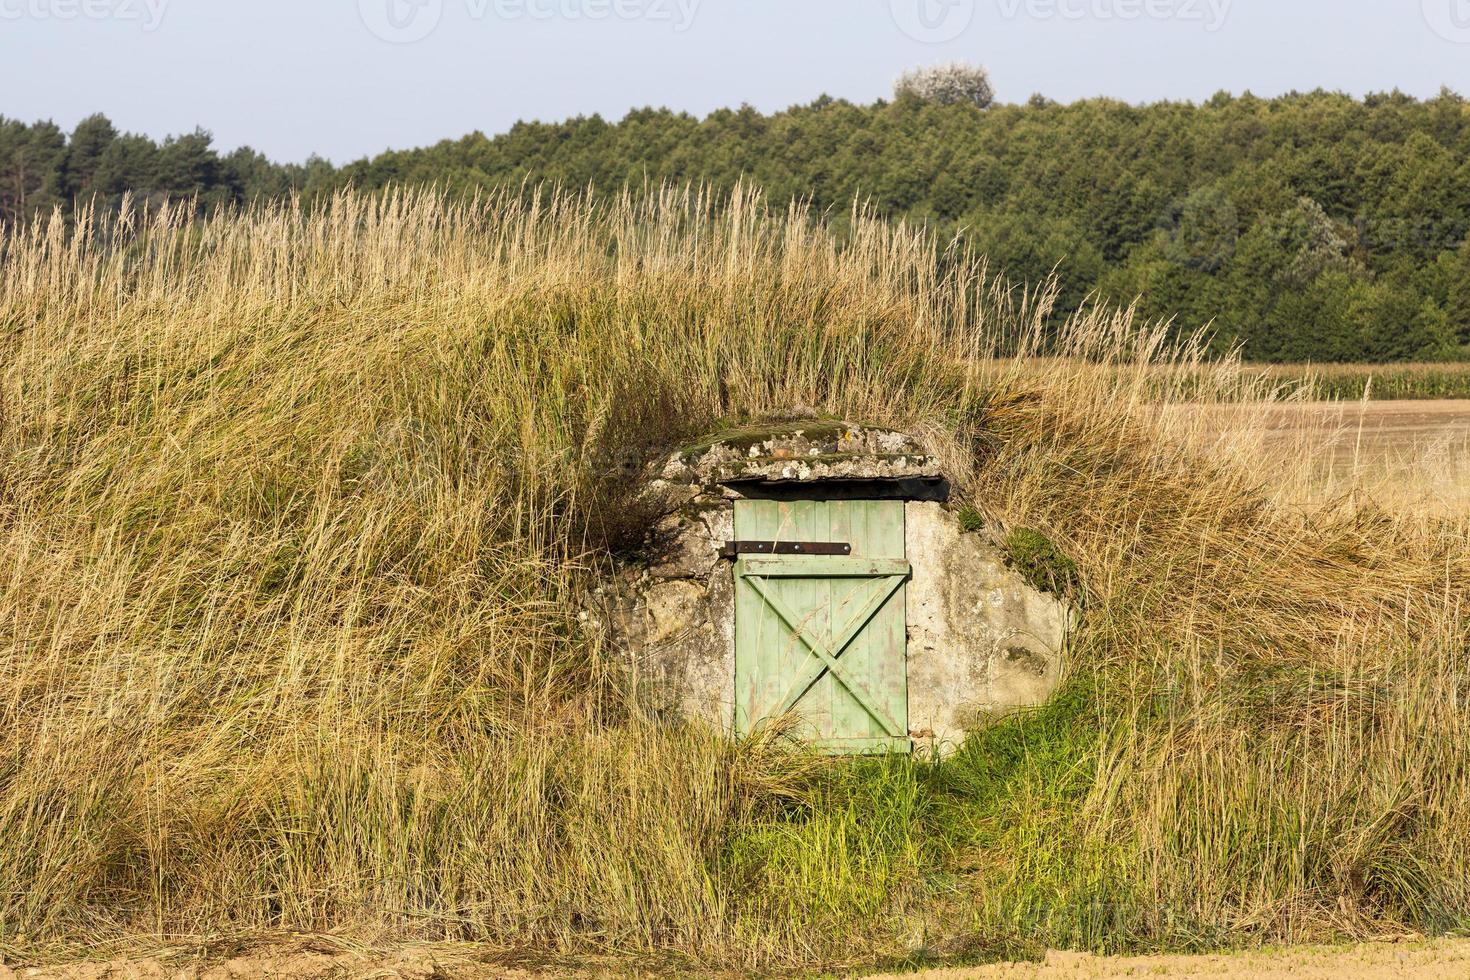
[295, 505]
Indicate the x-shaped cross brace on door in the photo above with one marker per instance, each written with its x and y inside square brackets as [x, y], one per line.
[827, 659]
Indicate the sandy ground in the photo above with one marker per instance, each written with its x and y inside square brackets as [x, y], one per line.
[309, 960]
[1438, 960]
[1446, 960]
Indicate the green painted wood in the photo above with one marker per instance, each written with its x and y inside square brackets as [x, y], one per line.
[825, 655]
[863, 746]
[824, 566]
[824, 637]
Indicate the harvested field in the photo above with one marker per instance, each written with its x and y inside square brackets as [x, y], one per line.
[1406, 454]
[1365, 433]
[1412, 456]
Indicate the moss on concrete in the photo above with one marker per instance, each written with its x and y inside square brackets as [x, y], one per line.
[1040, 562]
[971, 522]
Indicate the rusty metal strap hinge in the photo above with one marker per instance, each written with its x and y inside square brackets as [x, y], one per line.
[734, 549]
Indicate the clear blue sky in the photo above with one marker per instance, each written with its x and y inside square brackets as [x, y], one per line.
[345, 78]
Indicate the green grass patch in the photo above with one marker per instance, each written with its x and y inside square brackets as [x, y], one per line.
[1041, 562]
[980, 854]
[971, 520]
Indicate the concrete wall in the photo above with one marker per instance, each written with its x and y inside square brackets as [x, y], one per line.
[981, 640]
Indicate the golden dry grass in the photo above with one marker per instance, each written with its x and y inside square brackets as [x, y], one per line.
[296, 505]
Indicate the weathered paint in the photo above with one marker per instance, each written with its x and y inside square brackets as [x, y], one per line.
[824, 637]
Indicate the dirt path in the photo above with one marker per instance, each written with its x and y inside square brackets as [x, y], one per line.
[309, 960]
[1444, 960]
[1438, 960]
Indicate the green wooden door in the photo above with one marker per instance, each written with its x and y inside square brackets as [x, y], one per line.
[823, 637]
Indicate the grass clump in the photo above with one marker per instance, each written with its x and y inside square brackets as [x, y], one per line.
[298, 505]
[971, 520]
[1040, 562]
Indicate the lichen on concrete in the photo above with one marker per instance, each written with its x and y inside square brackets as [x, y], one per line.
[795, 452]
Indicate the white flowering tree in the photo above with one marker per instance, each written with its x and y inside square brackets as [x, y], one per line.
[951, 84]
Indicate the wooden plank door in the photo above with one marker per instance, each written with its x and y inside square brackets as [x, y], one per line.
[824, 638]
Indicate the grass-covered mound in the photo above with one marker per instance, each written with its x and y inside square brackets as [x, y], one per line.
[295, 506]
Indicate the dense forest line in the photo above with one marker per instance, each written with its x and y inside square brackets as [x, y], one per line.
[1311, 226]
